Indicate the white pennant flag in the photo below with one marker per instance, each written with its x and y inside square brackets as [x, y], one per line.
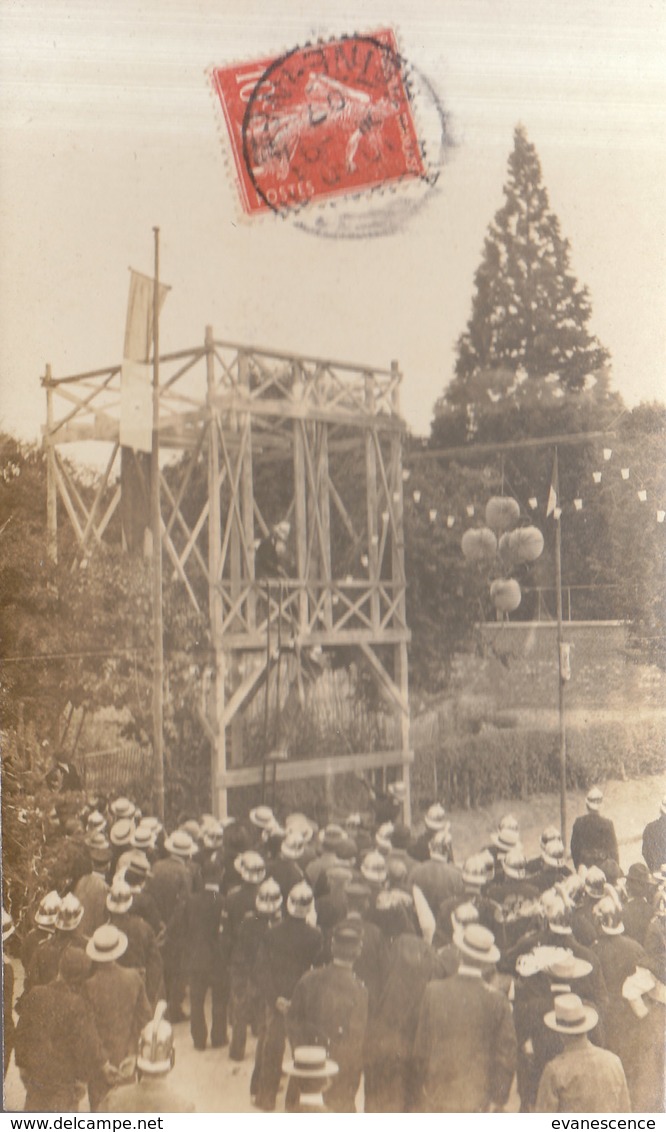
[136, 398]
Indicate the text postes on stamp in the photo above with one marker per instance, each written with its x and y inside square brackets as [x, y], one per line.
[322, 121]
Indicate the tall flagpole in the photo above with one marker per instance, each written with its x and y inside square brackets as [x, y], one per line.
[560, 642]
[156, 529]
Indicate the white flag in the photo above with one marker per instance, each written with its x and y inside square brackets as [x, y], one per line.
[136, 400]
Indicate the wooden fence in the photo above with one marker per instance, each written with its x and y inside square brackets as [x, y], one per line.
[117, 768]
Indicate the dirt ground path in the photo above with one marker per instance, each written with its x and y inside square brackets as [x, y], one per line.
[216, 1084]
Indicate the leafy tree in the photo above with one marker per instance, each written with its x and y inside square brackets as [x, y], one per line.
[529, 315]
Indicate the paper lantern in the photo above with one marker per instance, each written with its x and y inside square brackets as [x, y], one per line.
[661, 515]
[596, 476]
[470, 509]
[524, 544]
[625, 473]
[450, 521]
[642, 495]
[405, 474]
[533, 502]
[385, 516]
[416, 496]
[557, 513]
[432, 514]
[502, 513]
[506, 595]
[479, 544]
[578, 504]
[364, 561]
[608, 452]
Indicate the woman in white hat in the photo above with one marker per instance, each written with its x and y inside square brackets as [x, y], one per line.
[584, 1077]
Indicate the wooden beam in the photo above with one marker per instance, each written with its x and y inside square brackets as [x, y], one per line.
[238, 698]
[293, 770]
[300, 515]
[392, 691]
[465, 451]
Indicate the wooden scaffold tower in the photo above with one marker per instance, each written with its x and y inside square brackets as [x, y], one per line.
[237, 409]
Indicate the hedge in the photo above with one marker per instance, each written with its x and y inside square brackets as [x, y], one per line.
[475, 770]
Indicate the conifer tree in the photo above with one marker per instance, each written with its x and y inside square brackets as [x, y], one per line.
[529, 314]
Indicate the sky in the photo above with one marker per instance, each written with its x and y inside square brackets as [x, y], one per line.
[108, 127]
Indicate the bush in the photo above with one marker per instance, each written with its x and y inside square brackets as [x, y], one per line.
[475, 770]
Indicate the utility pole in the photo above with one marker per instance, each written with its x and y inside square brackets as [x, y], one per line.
[156, 529]
[560, 650]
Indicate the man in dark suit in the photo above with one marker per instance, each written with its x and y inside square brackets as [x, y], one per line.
[57, 1043]
[654, 841]
[593, 837]
[637, 911]
[329, 1008]
[118, 999]
[288, 950]
[202, 932]
[465, 1044]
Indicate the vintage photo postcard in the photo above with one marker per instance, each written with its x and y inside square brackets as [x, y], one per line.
[332, 532]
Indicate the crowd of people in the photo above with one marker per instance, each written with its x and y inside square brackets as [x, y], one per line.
[364, 958]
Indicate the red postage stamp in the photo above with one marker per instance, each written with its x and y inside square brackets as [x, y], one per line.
[321, 121]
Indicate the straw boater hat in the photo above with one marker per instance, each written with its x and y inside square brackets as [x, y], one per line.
[107, 944]
[299, 823]
[608, 914]
[398, 790]
[98, 847]
[478, 870]
[373, 868]
[435, 818]
[571, 1015]
[573, 887]
[180, 844]
[139, 865]
[478, 943]
[514, 863]
[383, 837]
[192, 827]
[95, 821]
[47, 912]
[70, 913]
[461, 917]
[440, 846]
[505, 839]
[143, 837]
[331, 837]
[156, 1054]
[594, 799]
[251, 867]
[508, 821]
[121, 832]
[300, 901]
[553, 853]
[122, 808]
[153, 824]
[262, 817]
[293, 846]
[557, 911]
[119, 898]
[310, 1062]
[212, 834]
[268, 900]
[569, 967]
[550, 833]
[595, 882]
